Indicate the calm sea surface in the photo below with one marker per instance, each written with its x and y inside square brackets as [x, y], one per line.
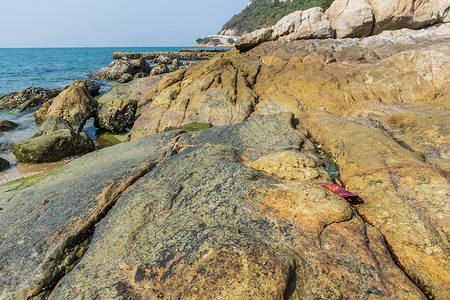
[54, 67]
[46, 68]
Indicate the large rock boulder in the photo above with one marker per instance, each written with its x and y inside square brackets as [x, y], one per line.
[351, 18]
[253, 39]
[6, 125]
[91, 86]
[358, 18]
[55, 140]
[116, 115]
[121, 66]
[27, 99]
[162, 59]
[308, 24]
[74, 104]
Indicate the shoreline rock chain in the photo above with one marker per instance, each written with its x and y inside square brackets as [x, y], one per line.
[183, 54]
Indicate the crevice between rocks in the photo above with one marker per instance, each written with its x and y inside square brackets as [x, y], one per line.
[377, 124]
[325, 155]
[71, 251]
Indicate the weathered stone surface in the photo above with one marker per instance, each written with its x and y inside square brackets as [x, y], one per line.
[393, 67]
[118, 67]
[4, 164]
[253, 39]
[143, 90]
[358, 18]
[43, 216]
[351, 18]
[205, 225]
[309, 24]
[91, 86]
[183, 54]
[162, 59]
[6, 125]
[27, 99]
[407, 14]
[54, 140]
[159, 69]
[116, 115]
[74, 104]
[125, 77]
[405, 198]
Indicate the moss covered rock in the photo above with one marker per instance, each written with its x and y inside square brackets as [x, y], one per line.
[55, 140]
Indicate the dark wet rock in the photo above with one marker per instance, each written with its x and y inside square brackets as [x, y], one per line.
[140, 75]
[116, 115]
[125, 77]
[91, 86]
[6, 125]
[159, 69]
[27, 99]
[74, 104]
[4, 164]
[118, 67]
[55, 140]
[163, 60]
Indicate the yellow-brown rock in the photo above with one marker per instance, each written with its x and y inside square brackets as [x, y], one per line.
[74, 104]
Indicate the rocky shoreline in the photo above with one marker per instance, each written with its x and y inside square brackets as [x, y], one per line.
[238, 207]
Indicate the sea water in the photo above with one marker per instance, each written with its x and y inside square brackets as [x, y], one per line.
[47, 68]
[50, 68]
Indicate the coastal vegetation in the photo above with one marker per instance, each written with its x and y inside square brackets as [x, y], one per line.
[262, 13]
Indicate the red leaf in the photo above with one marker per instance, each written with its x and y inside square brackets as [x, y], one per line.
[262, 94]
[339, 190]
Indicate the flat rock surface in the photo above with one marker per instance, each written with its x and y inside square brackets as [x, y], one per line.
[192, 218]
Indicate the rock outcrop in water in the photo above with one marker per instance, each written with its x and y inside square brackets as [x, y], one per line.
[29, 98]
[236, 211]
[122, 66]
[74, 104]
[54, 140]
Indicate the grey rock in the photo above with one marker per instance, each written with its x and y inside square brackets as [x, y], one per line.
[162, 59]
[91, 86]
[253, 39]
[116, 115]
[118, 67]
[160, 69]
[55, 140]
[125, 77]
[4, 164]
[29, 98]
[6, 125]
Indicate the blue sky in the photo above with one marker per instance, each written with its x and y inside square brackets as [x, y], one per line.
[103, 23]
